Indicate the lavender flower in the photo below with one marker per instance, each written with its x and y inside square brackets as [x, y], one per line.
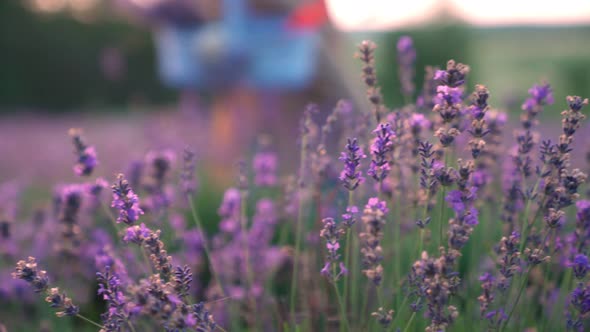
[366, 53]
[478, 129]
[182, 279]
[496, 317]
[204, 320]
[159, 196]
[136, 234]
[487, 296]
[382, 144]
[406, 56]
[187, 177]
[580, 266]
[126, 201]
[70, 197]
[383, 317]
[448, 100]
[426, 100]
[579, 307]
[374, 221]
[351, 176]
[509, 260]
[454, 76]
[332, 234]
[38, 279]
[264, 165]
[87, 159]
[60, 301]
[230, 211]
[582, 233]
[28, 272]
[539, 96]
[158, 254]
[109, 288]
[436, 281]
[349, 218]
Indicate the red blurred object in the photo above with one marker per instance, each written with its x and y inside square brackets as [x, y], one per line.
[309, 15]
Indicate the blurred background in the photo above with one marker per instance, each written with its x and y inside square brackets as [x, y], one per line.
[215, 74]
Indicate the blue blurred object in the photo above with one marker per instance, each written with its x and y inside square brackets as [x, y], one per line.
[260, 51]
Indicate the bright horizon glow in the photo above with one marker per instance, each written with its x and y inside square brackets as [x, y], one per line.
[351, 15]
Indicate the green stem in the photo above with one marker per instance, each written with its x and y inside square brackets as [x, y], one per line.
[522, 286]
[421, 242]
[131, 326]
[347, 252]
[355, 280]
[398, 312]
[298, 231]
[398, 261]
[108, 213]
[341, 305]
[146, 260]
[441, 216]
[343, 316]
[90, 321]
[246, 248]
[410, 321]
[205, 243]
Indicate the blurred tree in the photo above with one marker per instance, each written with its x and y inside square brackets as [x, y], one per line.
[53, 61]
[435, 45]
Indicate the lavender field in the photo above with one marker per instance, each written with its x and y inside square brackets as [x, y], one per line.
[443, 213]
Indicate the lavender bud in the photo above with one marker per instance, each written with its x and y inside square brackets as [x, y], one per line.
[87, 159]
[126, 201]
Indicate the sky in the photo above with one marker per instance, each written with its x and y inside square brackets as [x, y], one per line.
[391, 14]
[357, 15]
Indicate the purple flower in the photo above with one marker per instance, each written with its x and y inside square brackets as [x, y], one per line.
[373, 222]
[455, 200]
[382, 144]
[126, 201]
[332, 234]
[187, 177]
[405, 46]
[440, 75]
[325, 271]
[539, 94]
[87, 159]
[264, 165]
[351, 176]
[343, 269]
[479, 106]
[496, 317]
[454, 76]
[487, 297]
[406, 56]
[38, 279]
[230, 211]
[471, 217]
[580, 266]
[375, 204]
[348, 218]
[28, 272]
[109, 287]
[580, 299]
[583, 207]
[448, 95]
[136, 234]
[419, 122]
[59, 300]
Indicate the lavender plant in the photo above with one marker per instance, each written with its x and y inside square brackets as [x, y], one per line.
[453, 230]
